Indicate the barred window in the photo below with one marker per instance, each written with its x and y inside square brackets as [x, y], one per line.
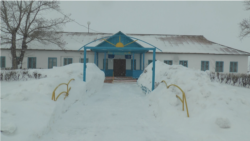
[219, 66]
[204, 65]
[233, 66]
[184, 63]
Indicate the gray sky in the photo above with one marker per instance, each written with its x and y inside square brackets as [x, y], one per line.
[216, 21]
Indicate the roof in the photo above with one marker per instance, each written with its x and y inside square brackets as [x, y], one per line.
[167, 43]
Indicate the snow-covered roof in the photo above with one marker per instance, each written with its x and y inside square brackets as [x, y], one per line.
[167, 43]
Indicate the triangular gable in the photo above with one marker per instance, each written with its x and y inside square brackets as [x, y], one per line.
[119, 40]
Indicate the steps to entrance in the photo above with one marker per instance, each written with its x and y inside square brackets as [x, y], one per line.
[119, 79]
[124, 81]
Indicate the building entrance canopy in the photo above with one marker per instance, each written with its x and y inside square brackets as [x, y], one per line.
[122, 45]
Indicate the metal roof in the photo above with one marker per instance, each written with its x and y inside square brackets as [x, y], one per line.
[197, 44]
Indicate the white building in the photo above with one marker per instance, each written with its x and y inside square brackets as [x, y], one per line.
[192, 51]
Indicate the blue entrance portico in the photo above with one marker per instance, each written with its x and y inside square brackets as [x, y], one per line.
[122, 45]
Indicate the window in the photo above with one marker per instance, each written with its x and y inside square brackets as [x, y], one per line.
[184, 63]
[204, 65]
[219, 66]
[52, 62]
[2, 61]
[132, 64]
[169, 62]
[67, 61]
[106, 64]
[233, 66]
[31, 62]
[81, 60]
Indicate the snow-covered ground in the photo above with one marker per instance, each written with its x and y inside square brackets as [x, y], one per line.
[94, 111]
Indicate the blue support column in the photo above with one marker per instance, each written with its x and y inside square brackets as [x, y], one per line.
[133, 62]
[153, 72]
[140, 61]
[95, 58]
[84, 65]
[104, 67]
[143, 61]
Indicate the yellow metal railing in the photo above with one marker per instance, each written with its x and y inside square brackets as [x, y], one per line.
[67, 92]
[183, 100]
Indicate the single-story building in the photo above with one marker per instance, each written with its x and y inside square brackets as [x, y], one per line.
[192, 51]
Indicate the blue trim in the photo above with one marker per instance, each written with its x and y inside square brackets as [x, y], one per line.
[129, 73]
[104, 65]
[95, 58]
[84, 65]
[127, 56]
[235, 64]
[133, 62]
[140, 61]
[32, 60]
[2, 66]
[143, 61]
[183, 63]
[108, 72]
[153, 75]
[137, 73]
[93, 41]
[133, 49]
[52, 62]
[119, 36]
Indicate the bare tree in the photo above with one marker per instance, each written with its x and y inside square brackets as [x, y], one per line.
[38, 28]
[245, 24]
[34, 26]
[12, 13]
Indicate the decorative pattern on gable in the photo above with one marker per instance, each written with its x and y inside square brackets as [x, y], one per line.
[119, 40]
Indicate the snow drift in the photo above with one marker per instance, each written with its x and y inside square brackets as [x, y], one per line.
[30, 101]
[212, 106]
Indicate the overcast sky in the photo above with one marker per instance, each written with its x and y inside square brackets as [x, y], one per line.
[216, 21]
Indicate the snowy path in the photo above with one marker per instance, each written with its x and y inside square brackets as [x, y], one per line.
[118, 112]
[115, 115]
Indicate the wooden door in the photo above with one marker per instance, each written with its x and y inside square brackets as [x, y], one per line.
[119, 67]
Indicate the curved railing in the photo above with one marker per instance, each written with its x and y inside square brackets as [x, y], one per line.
[67, 92]
[183, 100]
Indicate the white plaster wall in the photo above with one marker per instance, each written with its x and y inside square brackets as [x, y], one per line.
[42, 57]
[194, 60]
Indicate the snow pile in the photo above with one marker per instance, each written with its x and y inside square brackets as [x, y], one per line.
[8, 128]
[27, 107]
[223, 122]
[66, 111]
[173, 74]
[212, 106]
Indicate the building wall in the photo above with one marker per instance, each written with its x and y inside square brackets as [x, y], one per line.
[194, 60]
[42, 57]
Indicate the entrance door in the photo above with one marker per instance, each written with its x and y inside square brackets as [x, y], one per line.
[119, 67]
